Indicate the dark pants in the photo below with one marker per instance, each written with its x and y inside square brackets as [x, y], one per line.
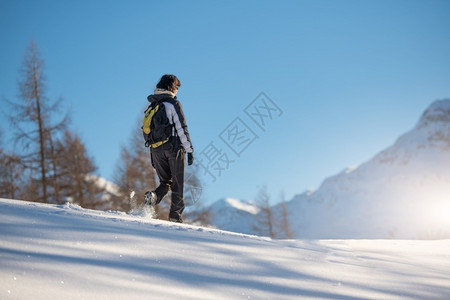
[169, 165]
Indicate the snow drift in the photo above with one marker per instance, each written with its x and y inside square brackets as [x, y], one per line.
[66, 252]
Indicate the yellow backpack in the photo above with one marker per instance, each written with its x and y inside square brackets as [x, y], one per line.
[156, 127]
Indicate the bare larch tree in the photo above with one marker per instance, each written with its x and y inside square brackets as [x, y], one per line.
[33, 125]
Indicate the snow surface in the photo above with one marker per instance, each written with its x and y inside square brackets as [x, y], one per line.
[66, 252]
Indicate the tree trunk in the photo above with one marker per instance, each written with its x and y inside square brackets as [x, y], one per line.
[36, 94]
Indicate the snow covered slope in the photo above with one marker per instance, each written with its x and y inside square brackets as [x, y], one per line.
[403, 192]
[66, 252]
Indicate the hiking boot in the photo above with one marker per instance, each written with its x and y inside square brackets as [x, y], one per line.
[150, 198]
[176, 220]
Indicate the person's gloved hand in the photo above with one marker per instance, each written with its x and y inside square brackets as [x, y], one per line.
[190, 158]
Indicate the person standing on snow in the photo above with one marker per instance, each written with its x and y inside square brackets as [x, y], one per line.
[169, 158]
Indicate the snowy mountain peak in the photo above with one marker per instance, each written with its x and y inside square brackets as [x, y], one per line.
[429, 139]
[234, 215]
[235, 204]
[404, 191]
[110, 187]
[242, 205]
[438, 112]
[433, 127]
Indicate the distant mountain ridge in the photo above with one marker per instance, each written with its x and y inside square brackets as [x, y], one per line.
[234, 215]
[402, 192]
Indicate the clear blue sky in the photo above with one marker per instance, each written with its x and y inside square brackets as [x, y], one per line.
[348, 76]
